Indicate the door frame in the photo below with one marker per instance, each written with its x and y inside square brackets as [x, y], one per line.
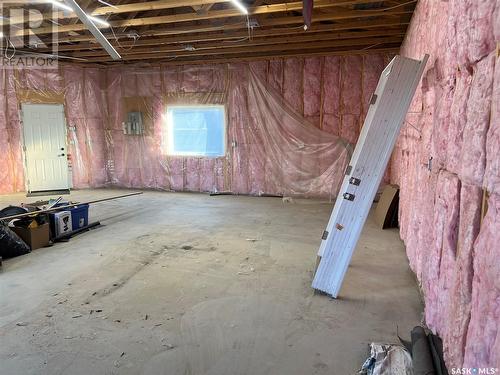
[23, 146]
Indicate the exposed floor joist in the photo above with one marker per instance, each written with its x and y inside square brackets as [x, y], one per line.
[216, 14]
[188, 30]
[388, 36]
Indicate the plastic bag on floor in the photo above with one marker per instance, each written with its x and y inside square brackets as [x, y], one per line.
[387, 359]
[10, 244]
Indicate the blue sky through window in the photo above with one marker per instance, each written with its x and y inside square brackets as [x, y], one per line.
[196, 130]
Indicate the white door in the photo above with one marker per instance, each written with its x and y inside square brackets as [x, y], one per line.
[44, 131]
[384, 118]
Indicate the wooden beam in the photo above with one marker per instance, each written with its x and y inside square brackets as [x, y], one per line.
[324, 32]
[315, 37]
[202, 9]
[204, 30]
[225, 59]
[225, 13]
[128, 8]
[155, 5]
[169, 52]
[270, 56]
[333, 16]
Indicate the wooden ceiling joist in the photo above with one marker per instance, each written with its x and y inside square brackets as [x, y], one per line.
[204, 30]
[225, 13]
[162, 53]
[127, 8]
[191, 31]
[320, 32]
[272, 56]
[341, 38]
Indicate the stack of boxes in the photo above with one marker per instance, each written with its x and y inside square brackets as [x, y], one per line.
[39, 232]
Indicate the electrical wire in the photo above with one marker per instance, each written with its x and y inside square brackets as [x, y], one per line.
[414, 127]
[118, 42]
[167, 60]
[236, 41]
[249, 29]
[14, 52]
[107, 4]
[389, 8]
[7, 49]
[373, 45]
[53, 56]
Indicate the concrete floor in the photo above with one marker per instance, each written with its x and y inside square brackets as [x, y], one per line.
[181, 284]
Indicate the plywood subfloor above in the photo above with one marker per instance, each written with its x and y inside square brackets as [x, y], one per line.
[190, 31]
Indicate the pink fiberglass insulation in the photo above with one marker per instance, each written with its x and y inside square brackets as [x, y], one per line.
[460, 299]
[312, 89]
[75, 105]
[492, 171]
[443, 164]
[480, 28]
[6, 178]
[351, 76]
[483, 340]
[458, 120]
[441, 123]
[351, 100]
[371, 65]
[270, 149]
[331, 95]
[441, 254]
[478, 121]
[275, 74]
[293, 85]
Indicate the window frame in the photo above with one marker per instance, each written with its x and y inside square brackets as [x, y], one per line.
[170, 132]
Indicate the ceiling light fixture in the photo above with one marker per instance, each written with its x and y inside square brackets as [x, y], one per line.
[107, 4]
[70, 9]
[240, 6]
[99, 21]
[61, 5]
[94, 29]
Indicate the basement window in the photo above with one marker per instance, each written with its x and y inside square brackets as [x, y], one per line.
[196, 130]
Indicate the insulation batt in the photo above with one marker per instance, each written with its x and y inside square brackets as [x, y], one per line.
[441, 255]
[492, 172]
[453, 254]
[478, 121]
[295, 147]
[458, 313]
[458, 120]
[483, 339]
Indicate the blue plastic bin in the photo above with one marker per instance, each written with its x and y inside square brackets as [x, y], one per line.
[79, 216]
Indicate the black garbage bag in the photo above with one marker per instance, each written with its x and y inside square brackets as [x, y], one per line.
[12, 210]
[10, 243]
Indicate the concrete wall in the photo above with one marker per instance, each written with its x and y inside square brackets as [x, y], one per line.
[455, 121]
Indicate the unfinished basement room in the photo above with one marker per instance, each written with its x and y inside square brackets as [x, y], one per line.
[250, 187]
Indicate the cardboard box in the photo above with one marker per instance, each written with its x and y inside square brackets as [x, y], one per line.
[35, 238]
[386, 212]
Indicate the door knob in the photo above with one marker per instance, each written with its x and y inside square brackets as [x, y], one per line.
[62, 148]
[61, 155]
